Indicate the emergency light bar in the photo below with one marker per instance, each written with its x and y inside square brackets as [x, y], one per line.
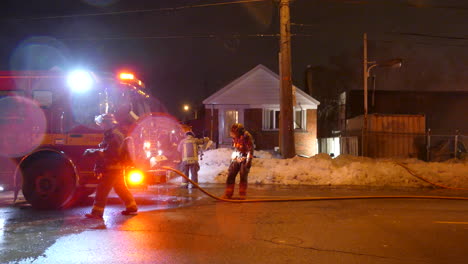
[127, 76]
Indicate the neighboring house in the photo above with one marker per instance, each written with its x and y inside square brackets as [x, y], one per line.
[399, 124]
[445, 111]
[253, 100]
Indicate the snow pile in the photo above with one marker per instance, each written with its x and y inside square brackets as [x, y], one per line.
[343, 170]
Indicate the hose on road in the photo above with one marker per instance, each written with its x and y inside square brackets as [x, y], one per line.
[301, 199]
[425, 180]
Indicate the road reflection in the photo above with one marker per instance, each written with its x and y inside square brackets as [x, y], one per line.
[26, 233]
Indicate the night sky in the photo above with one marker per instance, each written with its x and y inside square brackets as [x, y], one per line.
[185, 50]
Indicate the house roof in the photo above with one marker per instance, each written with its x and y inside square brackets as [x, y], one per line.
[258, 87]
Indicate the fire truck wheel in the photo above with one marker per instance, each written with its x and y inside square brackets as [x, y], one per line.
[49, 181]
[83, 193]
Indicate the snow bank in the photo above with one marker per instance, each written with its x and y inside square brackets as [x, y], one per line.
[321, 169]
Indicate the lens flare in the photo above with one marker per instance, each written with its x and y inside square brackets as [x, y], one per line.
[7, 171]
[23, 125]
[39, 53]
[155, 132]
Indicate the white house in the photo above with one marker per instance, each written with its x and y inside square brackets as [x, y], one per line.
[253, 100]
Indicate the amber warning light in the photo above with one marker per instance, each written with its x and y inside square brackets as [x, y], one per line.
[135, 177]
[127, 76]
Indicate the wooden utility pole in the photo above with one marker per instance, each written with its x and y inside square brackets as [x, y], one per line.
[365, 79]
[286, 125]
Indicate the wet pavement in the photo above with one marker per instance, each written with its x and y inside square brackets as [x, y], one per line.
[177, 225]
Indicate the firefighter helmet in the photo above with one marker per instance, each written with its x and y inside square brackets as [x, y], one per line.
[237, 129]
[186, 128]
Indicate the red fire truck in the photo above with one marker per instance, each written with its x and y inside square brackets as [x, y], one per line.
[47, 121]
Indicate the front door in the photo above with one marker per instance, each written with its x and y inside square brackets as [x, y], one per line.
[230, 116]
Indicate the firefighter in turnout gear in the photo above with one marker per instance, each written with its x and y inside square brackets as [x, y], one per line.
[112, 157]
[241, 160]
[189, 147]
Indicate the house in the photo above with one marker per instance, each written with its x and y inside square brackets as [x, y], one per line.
[253, 100]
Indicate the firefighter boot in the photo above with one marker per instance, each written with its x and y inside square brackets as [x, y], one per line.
[96, 213]
[242, 190]
[130, 211]
[131, 208]
[94, 216]
[228, 192]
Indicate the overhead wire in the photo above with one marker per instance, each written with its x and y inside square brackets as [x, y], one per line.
[162, 9]
[174, 37]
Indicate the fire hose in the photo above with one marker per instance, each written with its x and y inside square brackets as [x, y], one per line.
[300, 199]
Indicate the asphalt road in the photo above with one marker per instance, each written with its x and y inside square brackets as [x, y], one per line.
[185, 226]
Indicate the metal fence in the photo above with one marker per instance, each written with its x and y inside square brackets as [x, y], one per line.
[441, 147]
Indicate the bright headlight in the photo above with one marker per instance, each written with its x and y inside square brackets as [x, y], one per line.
[80, 81]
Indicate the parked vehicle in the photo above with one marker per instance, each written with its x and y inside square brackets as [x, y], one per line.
[47, 121]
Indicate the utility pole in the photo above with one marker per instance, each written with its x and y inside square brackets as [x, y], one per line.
[365, 78]
[286, 125]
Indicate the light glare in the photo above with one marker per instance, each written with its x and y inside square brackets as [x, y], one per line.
[127, 76]
[135, 177]
[80, 81]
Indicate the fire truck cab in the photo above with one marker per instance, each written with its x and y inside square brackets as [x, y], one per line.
[47, 122]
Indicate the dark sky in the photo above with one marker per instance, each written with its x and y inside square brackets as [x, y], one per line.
[188, 52]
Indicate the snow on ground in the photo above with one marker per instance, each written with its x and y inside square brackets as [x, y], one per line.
[321, 169]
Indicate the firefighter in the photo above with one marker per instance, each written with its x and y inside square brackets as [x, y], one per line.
[188, 147]
[112, 158]
[241, 160]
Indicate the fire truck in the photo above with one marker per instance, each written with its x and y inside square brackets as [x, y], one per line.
[47, 119]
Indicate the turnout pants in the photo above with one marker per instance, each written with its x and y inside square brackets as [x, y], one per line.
[192, 169]
[243, 169]
[112, 179]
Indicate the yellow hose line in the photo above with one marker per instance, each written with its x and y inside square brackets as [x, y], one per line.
[425, 180]
[310, 198]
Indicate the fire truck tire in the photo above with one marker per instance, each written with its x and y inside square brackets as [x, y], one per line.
[49, 181]
[83, 193]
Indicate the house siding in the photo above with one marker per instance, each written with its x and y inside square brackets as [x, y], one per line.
[305, 141]
[212, 129]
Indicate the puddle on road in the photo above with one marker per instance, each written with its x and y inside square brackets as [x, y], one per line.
[291, 241]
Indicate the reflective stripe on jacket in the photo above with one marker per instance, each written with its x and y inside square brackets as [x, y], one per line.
[188, 147]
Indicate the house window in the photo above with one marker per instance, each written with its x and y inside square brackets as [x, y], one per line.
[271, 119]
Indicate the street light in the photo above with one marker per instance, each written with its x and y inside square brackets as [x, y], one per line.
[187, 110]
[369, 65]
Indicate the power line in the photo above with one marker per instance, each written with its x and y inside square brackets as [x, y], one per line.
[175, 37]
[426, 35]
[163, 9]
[420, 43]
[395, 33]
